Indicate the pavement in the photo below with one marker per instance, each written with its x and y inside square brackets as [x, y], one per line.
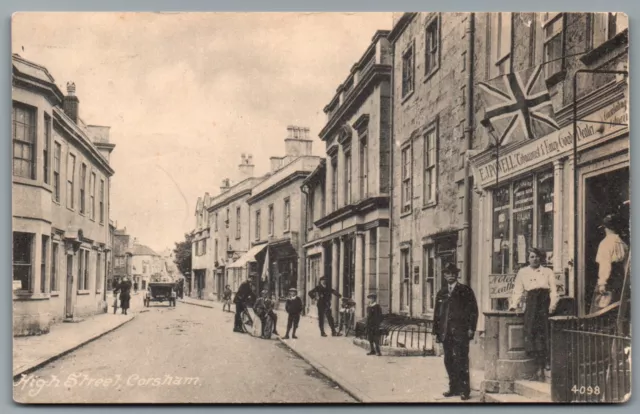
[32, 352]
[182, 354]
[370, 379]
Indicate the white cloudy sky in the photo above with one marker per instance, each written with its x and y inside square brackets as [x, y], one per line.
[186, 93]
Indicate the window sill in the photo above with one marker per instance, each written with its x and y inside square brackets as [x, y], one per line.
[83, 292]
[32, 183]
[430, 204]
[26, 295]
[407, 97]
[405, 214]
[556, 78]
[286, 232]
[605, 47]
[429, 75]
[54, 294]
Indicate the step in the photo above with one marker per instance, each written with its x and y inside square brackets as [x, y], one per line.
[508, 399]
[535, 390]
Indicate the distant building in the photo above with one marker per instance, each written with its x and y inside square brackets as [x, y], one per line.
[60, 195]
[145, 264]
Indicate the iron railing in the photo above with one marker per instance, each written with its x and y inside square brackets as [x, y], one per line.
[400, 331]
[590, 358]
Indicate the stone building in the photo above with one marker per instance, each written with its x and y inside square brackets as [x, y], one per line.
[347, 233]
[277, 219]
[145, 265]
[122, 245]
[60, 196]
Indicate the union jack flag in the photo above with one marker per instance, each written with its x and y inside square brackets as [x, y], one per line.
[518, 106]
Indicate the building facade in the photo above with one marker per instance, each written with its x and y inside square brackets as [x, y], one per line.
[60, 194]
[146, 265]
[277, 219]
[122, 246]
[347, 233]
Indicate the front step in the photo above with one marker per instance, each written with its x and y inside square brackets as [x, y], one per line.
[534, 390]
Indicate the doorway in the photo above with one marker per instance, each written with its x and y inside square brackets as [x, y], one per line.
[605, 194]
[68, 309]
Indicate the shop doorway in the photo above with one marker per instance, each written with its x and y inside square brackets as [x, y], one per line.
[604, 194]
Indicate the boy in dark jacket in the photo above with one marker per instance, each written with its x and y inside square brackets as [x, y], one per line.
[374, 319]
[294, 309]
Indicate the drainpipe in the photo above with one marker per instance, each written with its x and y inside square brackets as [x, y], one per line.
[392, 142]
[466, 221]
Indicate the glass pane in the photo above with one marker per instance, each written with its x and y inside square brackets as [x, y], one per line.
[545, 214]
[500, 241]
[522, 221]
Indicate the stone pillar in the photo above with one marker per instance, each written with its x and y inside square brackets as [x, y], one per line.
[382, 271]
[335, 266]
[360, 288]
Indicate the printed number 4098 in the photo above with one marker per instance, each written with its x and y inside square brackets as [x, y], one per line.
[586, 390]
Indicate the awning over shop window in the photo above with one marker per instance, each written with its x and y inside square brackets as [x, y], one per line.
[249, 256]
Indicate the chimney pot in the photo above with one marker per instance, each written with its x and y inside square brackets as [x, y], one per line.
[71, 88]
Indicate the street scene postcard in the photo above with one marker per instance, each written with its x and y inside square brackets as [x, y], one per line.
[290, 208]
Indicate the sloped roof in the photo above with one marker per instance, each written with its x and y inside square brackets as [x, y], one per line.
[142, 250]
[32, 69]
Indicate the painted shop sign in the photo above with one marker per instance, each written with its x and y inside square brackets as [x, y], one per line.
[554, 144]
[501, 286]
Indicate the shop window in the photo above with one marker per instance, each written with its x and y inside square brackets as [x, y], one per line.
[22, 260]
[545, 210]
[501, 220]
[429, 287]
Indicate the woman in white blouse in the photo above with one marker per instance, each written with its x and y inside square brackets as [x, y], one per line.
[539, 285]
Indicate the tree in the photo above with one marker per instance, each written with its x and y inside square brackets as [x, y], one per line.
[182, 254]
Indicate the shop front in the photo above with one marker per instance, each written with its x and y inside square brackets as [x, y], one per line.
[528, 201]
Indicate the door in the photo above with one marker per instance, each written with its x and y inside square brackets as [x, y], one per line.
[68, 309]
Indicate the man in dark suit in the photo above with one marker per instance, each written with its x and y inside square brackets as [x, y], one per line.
[243, 295]
[322, 293]
[456, 316]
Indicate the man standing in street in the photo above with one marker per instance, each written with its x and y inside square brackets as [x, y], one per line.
[294, 309]
[456, 316]
[244, 293]
[322, 293]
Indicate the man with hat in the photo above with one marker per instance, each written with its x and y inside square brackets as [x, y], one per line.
[294, 309]
[455, 319]
[243, 295]
[323, 295]
[374, 319]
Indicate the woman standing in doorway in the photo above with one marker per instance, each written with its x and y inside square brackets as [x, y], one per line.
[539, 285]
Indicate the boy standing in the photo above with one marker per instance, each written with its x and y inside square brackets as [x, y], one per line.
[374, 319]
[293, 308]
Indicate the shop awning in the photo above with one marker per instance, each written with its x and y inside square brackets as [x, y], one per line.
[249, 256]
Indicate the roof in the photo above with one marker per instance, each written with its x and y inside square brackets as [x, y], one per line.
[142, 250]
[32, 69]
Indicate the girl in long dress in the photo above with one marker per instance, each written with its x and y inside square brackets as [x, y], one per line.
[539, 285]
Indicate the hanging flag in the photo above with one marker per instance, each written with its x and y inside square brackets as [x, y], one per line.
[265, 267]
[518, 106]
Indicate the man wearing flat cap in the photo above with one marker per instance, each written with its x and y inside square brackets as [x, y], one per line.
[323, 293]
[455, 320]
[294, 309]
[374, 319]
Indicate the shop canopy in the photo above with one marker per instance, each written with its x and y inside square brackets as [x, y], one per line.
[249, 256]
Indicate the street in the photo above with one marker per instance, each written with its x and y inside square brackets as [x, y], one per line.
[186, 354]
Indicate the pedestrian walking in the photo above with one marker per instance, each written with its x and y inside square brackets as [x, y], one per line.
[539, 285]
[226, 297]
[456, 317]
[322, 293]
[374, 320]
[125, 294]
[611, 258]
[294, 309]
[243, 295]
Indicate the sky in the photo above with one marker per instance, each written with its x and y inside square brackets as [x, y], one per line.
[185, 94]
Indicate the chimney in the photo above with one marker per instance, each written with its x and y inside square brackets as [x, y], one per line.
[297, 143]
[71, 103]
[276, 163]
[226, 184]
[246, 166]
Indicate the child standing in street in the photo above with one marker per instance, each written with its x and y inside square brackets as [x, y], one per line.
[294, 309]
[374, 319]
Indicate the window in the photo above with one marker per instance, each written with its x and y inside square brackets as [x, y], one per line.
[501, 43]
[406, 179]
[334, 183]
[429, 287]
[408, 71]
[98, 272]
[82, 282]
[310, 212]
[553, 43]
[287, 214]
[204, 247]
[432, 44]
[215, 223]
[258, 225]
[347, 177]
[238, 223]
[430, 183]
[226, 222]
[92, 196]
[83, 192]
[215, 252]
[54, 268]
[545, 208]
[607, 25]
[45, 148]
[101, 201]
[22, 259]
[43, 264]
[71, 170]
[405, 277]
[364, 166]
[271, 221]
[24, 142]
[57, 152]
